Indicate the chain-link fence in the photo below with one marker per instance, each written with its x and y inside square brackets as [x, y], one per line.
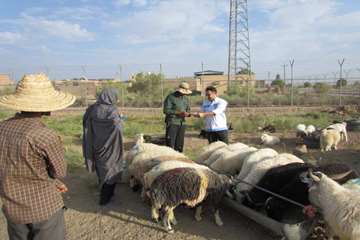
[147, 85]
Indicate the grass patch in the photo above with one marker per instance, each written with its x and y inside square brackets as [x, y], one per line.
[284, 123]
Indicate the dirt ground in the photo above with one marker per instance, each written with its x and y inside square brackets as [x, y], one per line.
[127, 217]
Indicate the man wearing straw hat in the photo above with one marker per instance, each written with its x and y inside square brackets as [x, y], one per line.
[32, 162]
[176, 108]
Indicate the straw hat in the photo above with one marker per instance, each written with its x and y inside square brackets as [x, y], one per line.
[184, 88]
[35, 93]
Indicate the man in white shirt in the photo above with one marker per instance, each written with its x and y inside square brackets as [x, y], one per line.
[213, 110]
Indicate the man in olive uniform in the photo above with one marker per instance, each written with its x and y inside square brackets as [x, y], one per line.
[176, 109]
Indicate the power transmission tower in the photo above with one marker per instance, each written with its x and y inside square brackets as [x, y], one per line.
[239, 41]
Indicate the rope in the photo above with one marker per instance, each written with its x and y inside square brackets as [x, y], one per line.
[272, 193]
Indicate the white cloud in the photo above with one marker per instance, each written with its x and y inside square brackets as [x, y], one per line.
[314, 33]
[58, 28]
[137, 3]
[9, 37]
[172, 20]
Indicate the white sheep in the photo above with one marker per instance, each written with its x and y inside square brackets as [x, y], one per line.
[138, 168]
[340, 206]
[231, 163]
[208, 150]
[301, 130]
[269, 140]
[341, 127]
[224, 150]
[216, 155]
[253, 158]
[310, 129]
[329, 139]
[139, 139]
[236, 146]
[156, 171]
[259, 169]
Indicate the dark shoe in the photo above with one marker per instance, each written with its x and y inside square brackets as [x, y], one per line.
[107, 192]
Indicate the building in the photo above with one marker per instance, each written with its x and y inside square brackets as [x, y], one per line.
[220, 80]
[5, 80]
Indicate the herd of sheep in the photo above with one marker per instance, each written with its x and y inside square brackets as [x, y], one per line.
[168, 179]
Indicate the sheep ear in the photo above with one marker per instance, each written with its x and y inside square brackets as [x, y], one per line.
[315, 176]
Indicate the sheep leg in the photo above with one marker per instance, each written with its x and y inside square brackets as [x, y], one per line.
[167, 220]
[198, 212]
[155, 214]
[218, 220]
[329, 232]
[172, 217]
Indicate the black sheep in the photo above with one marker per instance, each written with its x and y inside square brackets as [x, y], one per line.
[186, 186]
[287, 181]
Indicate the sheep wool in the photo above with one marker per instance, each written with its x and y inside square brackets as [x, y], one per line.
[340, 206]
[253, 158]
[208, 150]
[231, 163]
[259, 169]
[159, 169]
[329, 139]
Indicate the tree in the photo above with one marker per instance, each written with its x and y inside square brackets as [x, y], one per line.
[145, 83]
[321, 87]
[278, 83]
[307, 84]
[245, 71]
[342, 81]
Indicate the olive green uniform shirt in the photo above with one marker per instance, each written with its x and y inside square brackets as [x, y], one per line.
[173, 104]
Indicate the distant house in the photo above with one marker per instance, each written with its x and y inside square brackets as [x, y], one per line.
[220, 80]
[5, 80]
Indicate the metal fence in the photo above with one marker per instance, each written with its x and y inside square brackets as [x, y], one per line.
[294, 89]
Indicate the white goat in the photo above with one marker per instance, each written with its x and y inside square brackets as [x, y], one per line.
[340, 206]
[269, 140]
[329, 139]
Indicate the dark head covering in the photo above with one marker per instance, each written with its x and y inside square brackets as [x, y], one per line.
[108, 96]
[102, 140]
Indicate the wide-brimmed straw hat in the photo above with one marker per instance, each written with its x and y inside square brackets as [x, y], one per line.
[184, 88]
[35, 93]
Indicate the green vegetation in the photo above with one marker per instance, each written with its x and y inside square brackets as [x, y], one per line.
[70, 128]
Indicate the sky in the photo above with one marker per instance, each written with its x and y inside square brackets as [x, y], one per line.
[106, 38]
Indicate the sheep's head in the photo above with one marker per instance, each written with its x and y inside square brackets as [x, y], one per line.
[301, 128]
[313, 179]
[139, 138]
[264, 138]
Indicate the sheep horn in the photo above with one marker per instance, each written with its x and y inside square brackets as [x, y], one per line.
[314, 177]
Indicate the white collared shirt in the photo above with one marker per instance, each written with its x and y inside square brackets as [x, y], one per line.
[218, 121]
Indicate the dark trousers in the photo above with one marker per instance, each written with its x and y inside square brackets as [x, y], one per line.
[51, 229]
[218, 136]
[175, 136]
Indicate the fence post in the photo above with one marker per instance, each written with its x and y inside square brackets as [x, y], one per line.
[340, 87]
[292, 82]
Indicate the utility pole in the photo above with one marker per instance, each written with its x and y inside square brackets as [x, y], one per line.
[292, 81]
[162, 86]
[120, 72]
[284, 66]
[341, 63]
[202, 80]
